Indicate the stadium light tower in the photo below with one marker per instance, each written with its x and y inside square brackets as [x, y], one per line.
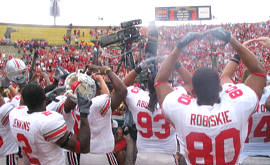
[54, 10]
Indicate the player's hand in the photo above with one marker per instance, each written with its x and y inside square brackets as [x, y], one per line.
[101, 69]
[145, 63]
[220, 34]
[246, 43]
[84, 105]
[60, 73]
[265, 41]
[191, 36]
[97, 77]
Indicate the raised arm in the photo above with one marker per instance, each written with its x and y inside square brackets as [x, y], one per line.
[257, 78]
[129, 79]
[80, 143]
[163, 88]
[229, 70]
[120, 90]
[186, 76]
[119, 87]
[103, 86]
[265, 41]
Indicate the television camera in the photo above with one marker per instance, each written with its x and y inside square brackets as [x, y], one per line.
[129, 33]
[125, 37]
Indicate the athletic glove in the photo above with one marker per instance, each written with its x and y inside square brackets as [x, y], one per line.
[220, 34]
[147, 63]
[191, 36]
[84, 105]
[60, 73]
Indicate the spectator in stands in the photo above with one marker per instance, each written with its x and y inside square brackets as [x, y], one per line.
[120, 146]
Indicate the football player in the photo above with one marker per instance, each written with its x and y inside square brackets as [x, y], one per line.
[211, 127]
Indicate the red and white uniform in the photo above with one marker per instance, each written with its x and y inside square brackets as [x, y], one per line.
[102, 139]
[58, 106]
[258, 140]
[36, 134]
[100, 115]
[155, 133]
[212, 134]
[8, 144]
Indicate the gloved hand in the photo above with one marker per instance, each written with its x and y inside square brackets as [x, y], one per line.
[51, 95]
[84, 105]
[191, 36]
[60, 73]
[4, 83]
[220, 34]
[147, 63]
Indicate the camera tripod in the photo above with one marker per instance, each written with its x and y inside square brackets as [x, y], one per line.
[127, 57]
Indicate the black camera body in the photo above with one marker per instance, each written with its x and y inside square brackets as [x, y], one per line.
[128, 34]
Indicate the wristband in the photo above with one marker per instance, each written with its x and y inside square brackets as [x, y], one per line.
[106, 71]
[138, 69]
[236, 56]
[159, 82]
[259, 74]
[235, 60]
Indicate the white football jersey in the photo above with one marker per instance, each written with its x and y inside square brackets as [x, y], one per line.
[154, 132]
[258, 140]
[99, 118]
[36, 134]
[58, 106]
[8, 144]
[212, 134]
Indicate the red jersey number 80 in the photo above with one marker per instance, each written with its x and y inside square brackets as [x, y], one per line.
[205, 151]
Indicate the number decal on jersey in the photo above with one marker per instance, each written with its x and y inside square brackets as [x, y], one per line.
[165, 126]
[145, 121]
[1, 141]
[135, 90]
[234, 92]
[260, 131]
[46, 113]
[206, 148]
[27, 149]
[184, 99]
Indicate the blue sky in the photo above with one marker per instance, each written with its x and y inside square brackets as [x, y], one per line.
[87, 12]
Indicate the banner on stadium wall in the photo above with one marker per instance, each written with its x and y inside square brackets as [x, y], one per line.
[183, 13]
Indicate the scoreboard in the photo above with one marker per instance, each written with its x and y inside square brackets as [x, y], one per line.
[184, 13]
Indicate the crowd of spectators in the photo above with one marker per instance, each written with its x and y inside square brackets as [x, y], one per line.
[206, 52]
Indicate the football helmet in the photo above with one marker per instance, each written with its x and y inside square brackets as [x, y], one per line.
[16, 71]
[81, 83]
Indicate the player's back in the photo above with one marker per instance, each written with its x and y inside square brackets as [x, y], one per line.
[37, 133]
[258, 140]
[99, 118]
[155, 133]
[212, 134]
